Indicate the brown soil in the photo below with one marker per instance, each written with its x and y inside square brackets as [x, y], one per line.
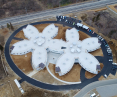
[46, 78]
[90, 75]
[4, 31]
[72, 76]
[83, 35]
[61, 31]
[13, 41]
[97, 52]
[5, 90]
[40, 27]
[113, 7]
[99, 9]
[20, 35]
[23, 63]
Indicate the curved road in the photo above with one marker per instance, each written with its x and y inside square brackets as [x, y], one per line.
[93, 85]
[42, 14]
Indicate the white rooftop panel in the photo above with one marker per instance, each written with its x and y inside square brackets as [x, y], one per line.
[65, 63]
[91, 44]
[39, 55]
[50, 31]
[72, 35]
[30, 32]
[22, 47]
[88, 62]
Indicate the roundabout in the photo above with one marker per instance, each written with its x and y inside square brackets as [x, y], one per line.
[84, 81]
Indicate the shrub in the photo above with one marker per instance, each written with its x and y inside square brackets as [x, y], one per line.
[96, 18]
[84, 17]
[111, 33]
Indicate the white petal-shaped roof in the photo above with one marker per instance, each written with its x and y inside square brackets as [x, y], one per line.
[50, 31]
[65, 63]
[30, 32]
[39, 55]
[21, 47]
[91, 44]
[88, 62]
[72, 35]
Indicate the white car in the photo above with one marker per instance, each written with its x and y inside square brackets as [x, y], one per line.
[110, 60]
[105, 75]
[114, 63]
[93, 95]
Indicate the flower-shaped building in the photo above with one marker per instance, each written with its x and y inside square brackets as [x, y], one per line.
[77, 51]
[72, 50]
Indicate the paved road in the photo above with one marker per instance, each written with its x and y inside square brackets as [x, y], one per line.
[94, 85]
[107, 90]
[57, 11]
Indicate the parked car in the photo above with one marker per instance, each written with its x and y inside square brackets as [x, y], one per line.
[110, 57]
[105, 75]
[114, 67]
[65, 20]
[110, 60]
[114, 63]
[109, 54]
[93, 95]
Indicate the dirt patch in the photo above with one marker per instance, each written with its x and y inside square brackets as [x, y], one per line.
[98, 52]
[45, 77]
[90, 75]
[4, 31]
[61, 32]
[20, 35]
[22, 62]
[83, 35]
[13, 41]
[5, 90]
[113, 7]
[41, 27]
[99, 9]
[72, 76]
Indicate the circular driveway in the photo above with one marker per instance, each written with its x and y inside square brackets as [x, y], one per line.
[84, 81]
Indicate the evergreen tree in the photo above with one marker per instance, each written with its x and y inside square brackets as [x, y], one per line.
[8, 26]
[11, 26]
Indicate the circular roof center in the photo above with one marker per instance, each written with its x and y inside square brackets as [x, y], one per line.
[39, 40]
[75, 48]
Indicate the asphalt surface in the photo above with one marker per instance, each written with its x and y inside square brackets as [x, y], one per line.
[94, 85]
[107, 90]
[106, 69]
[57, 11]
